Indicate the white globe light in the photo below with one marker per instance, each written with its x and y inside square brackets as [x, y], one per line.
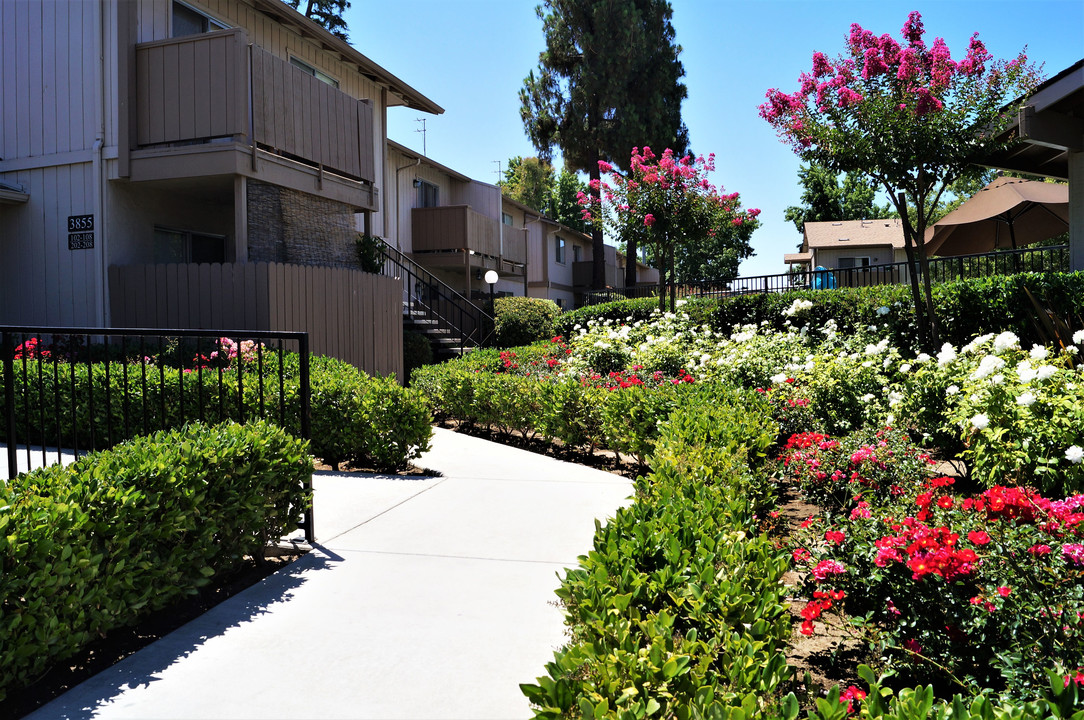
[491, 276]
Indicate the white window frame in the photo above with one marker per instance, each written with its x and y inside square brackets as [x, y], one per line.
[315, 72]
[859, 262]
[213, 23]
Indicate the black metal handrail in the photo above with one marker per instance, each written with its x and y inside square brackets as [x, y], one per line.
[942, 269]
[429, 297]
[123, 382]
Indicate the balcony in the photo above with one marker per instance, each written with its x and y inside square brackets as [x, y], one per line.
[214, 104]
[459, 236]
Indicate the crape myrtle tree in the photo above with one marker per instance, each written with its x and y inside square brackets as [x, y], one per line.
[691, 229]
[907, 115]
[609, 79]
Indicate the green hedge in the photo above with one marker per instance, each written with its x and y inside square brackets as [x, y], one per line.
[965, 308]
[522, 320]
[369, 421]
[678, 610]
[580, 416]
[95, 545]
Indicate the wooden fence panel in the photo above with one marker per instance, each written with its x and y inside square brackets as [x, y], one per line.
[349, 314]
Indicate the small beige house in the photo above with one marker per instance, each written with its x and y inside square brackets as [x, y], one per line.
[847, 244]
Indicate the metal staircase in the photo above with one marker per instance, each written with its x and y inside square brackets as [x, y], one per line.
[452, 323]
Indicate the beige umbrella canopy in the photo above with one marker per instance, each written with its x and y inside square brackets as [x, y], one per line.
[1007, 213]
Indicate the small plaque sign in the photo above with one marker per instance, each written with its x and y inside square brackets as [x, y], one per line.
[81, 241]
[80, 223]
[80, 232]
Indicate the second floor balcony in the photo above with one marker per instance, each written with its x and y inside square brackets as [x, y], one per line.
[216, 104]
[458, 235]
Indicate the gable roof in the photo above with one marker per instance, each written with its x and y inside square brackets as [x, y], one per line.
[455, 174]
[860, 233]
[398, 90]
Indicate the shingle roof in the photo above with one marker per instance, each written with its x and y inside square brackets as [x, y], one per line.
[838, 233]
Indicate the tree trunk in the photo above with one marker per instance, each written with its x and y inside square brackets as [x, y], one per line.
[673, 280]
[630, 263]
[662, 281]
[922, 309]
[598, 249]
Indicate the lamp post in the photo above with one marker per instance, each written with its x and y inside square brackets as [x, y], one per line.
[492, 278]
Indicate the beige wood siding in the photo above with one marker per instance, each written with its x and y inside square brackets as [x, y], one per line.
[47, 77]
[43, 282]
[192, 88]
[350, 315]
[283, 43]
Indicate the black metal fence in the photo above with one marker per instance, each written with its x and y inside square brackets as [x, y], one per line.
[942, 269]
[68, 391]
[427, 298]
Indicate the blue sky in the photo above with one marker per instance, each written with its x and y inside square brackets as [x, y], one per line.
[470, 57]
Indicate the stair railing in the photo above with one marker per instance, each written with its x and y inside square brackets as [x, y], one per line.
[429, 297]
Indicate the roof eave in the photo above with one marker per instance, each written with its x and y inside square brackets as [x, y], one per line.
[286, 15]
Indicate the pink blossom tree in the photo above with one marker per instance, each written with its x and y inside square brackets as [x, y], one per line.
[667, 203]
[907, 115]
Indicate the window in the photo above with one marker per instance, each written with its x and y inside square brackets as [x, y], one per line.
[577, 253]
[428, 194]
[183, 246]
[561, 250]
[187, 21]
[506, 219]
[310, 70]
[846, 263]
[559, 302]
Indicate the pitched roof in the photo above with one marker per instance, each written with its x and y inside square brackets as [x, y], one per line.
[399, 90]
[861, 233]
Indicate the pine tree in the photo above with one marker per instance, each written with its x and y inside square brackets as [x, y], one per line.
[328, 14]
[609, 80]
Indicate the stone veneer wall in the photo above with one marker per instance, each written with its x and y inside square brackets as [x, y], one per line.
[289, 226]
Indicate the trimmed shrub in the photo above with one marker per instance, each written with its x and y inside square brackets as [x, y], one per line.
[523, 320]
[370, 422]
[384, 431]
[417, 352]
[95, 545]
[965, 308]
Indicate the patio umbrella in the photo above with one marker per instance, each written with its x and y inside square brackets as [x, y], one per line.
[1007, 213]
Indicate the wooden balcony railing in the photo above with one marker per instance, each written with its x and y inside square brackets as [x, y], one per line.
[216, 85]
[455, 227]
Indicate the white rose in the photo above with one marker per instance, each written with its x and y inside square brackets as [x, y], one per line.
[1074, 454]
[980, 421]
[1026, 400]
[1038, 352]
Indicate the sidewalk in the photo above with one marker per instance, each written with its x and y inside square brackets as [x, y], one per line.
[426, 597]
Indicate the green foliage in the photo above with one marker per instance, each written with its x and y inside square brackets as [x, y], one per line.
[417, 351]
[968, 308]
[523, 320]
[328, 14]
[677, 611]
[370, 252]
[93, 546]
[345, 422]
[824, 199]
[622, 57]
[534, 183]
[368, 421]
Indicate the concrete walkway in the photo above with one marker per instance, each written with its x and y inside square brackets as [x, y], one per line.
[426, 597]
